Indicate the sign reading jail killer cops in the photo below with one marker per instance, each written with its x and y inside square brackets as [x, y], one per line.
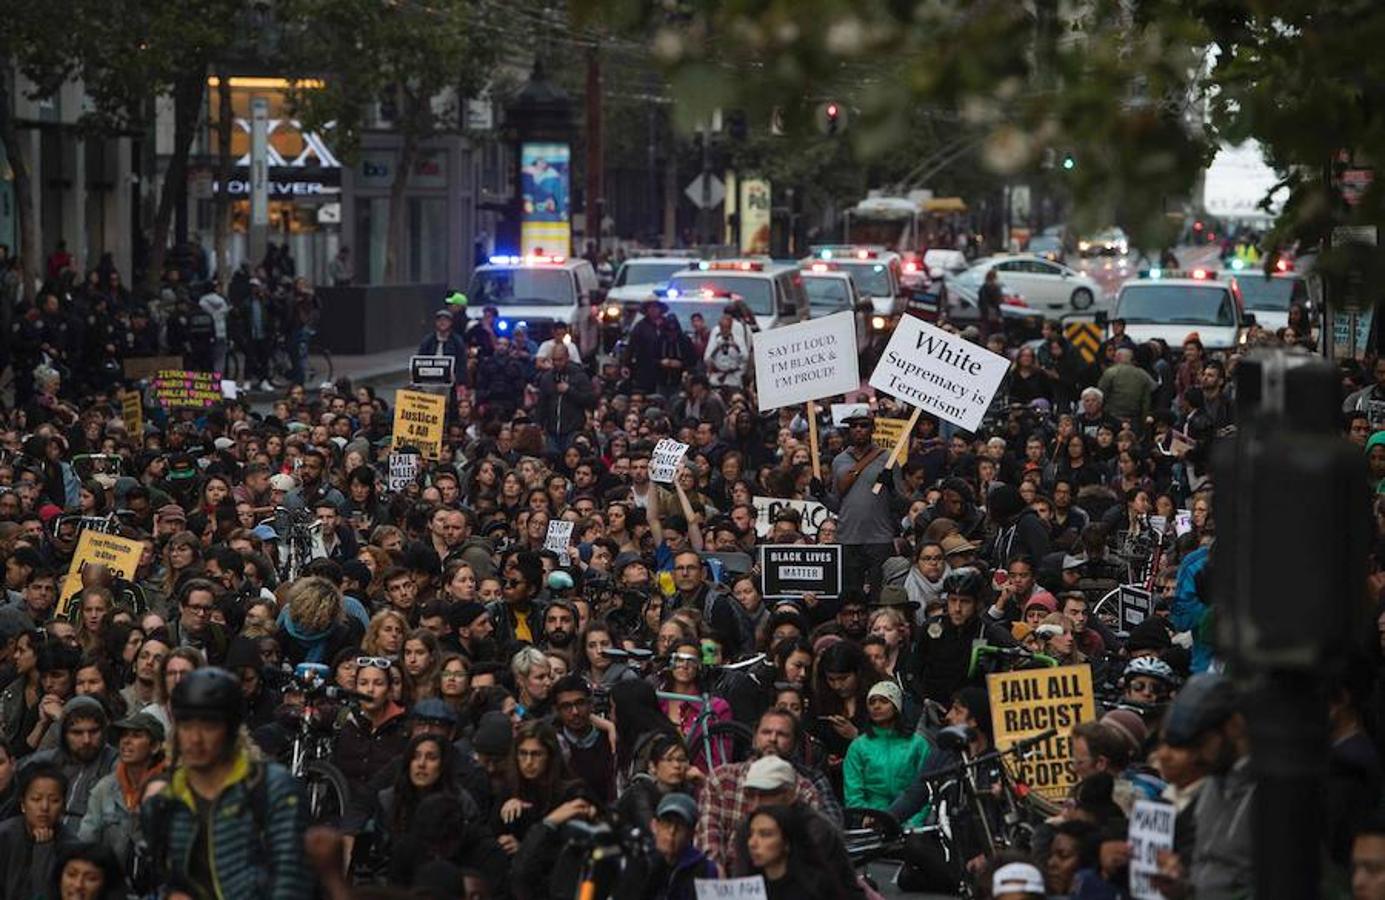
[806, 361]
[119, 555]
[404, 469]
[940, 373]
[792, 570]
[1030, 702]
[767, 509]
[418, 421]
[181, 389]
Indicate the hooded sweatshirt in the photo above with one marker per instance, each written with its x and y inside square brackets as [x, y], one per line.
[81, 776]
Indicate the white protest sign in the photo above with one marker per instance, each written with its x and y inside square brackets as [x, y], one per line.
[1151, 830]
[749, 888]
[1182, 522]
[766, 508]
[403, 470]
[843, 411]
[668, 453]
[940, 373]
[229, 389]
[806, 361]
[558, 537]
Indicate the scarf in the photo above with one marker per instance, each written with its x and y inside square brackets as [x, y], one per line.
[131, 791]
[922, 591]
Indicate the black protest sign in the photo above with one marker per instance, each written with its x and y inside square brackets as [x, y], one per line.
[791, 570]
[1136, 605]
[431, 369]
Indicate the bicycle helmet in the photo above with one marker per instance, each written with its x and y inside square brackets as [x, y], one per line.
[209, 694]
[966, 581]
[1149, 666]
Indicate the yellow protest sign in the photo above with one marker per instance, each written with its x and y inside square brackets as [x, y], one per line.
[132, 412]
[119, 555]
[886, 434]
[418, 421]
[1028, 703]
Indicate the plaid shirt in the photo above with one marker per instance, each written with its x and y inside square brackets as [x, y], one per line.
[722, 806]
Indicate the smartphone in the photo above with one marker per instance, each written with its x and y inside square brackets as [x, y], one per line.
[999, 577]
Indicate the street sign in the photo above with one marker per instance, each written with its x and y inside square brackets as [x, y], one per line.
[431, 369]
[716, 192]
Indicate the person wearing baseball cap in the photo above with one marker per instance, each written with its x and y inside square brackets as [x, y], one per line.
[1017, 881]
[113, 806]
[679, 861]
[444, 340]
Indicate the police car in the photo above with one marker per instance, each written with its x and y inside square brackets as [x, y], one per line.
[1269, 295]
[535, 290]
[1170, 305]
[832, 291]
[773, 292]
[878, 273]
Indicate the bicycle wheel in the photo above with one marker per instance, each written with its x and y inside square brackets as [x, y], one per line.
[329, 797]
[731, 742]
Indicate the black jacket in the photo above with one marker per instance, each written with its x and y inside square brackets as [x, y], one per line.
[942, 660]
[564, 413]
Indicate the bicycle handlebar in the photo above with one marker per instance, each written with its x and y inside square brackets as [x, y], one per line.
[977, 652]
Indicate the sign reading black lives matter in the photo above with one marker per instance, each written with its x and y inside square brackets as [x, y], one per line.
[431, 369]
[791, 570]
[940, 373]
[806, 361]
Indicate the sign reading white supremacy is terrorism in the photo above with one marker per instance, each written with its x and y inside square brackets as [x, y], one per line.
[940, 373]
[806, 361]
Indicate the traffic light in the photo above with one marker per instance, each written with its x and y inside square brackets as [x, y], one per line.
[831, 118]
[1069, 162]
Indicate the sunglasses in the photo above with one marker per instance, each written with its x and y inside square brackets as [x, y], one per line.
[378, 662]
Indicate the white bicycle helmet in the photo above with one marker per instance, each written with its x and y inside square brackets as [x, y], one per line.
[1150, 666]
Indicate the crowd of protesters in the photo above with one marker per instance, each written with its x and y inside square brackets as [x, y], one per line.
[494, 692]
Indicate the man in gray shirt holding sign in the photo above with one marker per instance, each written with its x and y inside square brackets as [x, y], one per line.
[867, 520]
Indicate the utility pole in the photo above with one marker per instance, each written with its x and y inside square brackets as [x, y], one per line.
[595, 182]
[259, 178]
[704, 215]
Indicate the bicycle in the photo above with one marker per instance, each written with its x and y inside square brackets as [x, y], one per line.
[722, 742]
[300, 539]
[317, 363]
[309, 753]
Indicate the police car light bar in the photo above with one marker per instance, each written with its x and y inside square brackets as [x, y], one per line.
[530, 260]
[732, 266]
[1195, 274]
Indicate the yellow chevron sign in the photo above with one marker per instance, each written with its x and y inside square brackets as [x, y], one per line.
[1085, 338]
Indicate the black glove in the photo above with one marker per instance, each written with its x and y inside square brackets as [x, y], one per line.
[815, 487]
[885, 479]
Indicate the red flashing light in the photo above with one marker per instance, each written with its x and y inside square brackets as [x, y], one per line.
[911, 268]
[832, 110]
[741, 266]
[1282, 265]
[1200, 274]
[1197, 226]
[821, 267]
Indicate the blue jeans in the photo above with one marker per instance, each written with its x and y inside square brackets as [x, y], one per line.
[298, 352]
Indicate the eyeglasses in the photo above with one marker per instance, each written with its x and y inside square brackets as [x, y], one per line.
[378, 662]
[198, 609]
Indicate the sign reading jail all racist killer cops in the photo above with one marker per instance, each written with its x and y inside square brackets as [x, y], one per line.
[940, 373]
[806, 361]
[1032, 701]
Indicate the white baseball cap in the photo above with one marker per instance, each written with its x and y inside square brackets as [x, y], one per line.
[1017, 878]
[282, 482]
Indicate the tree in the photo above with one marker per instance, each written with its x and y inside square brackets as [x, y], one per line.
[418, 61]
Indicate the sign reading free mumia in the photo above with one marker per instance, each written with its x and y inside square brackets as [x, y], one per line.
[792, 570]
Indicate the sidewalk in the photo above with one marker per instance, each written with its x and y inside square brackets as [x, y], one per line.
[368, 367]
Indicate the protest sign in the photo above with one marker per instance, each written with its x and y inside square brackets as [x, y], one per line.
[558, 537]
[791, 570]
[940, 373]
[119, 555]
[181, 389]
[751, 887]
[132, 414]
[668, 453]
[1136, 605]
[1182, 522]
[843, 411]
[1151, 830]
[806, 361]
[403, 471]
[885, 434]
[229, 389]
[139, 368]
[418, 421]
[1030, 702]
[768, 508]
[431, 369]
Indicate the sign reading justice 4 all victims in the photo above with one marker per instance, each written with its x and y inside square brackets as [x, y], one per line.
[806, 361]
[941, 373]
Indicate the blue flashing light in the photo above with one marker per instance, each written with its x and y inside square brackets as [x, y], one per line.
[502, 325]
[1156, 273]
[826, 254]
[1238, 264]
[505, 260]
[673, 293]
[704, 266]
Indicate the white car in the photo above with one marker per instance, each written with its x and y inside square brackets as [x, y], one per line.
[535, 291]
[773, 292]
[833, 291]
[1048, 287]
[1270, 296]
[944, 263]
[639, 276]
[1171, 305]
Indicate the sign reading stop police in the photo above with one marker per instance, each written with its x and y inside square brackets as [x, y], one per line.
[1030, 702]
[418, 421]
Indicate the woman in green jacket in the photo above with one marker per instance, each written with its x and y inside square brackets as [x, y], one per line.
[886, 757]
